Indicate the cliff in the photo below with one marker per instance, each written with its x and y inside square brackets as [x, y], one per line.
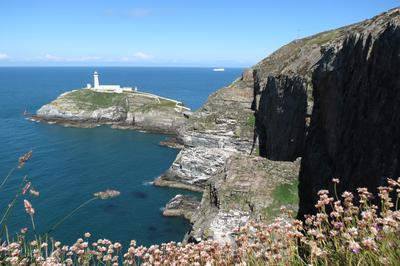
[331, 99]
[139, 111]
[355, 123]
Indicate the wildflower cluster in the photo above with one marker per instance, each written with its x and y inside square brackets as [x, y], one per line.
[350, 234]
[344, 231]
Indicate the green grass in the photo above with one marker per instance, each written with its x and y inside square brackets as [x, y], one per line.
[251, 121]
[92, 99]
[88, 99]
[284, 194]
[324, 37]
[167, 103]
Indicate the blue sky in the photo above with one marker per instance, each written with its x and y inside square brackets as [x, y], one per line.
[225, 33]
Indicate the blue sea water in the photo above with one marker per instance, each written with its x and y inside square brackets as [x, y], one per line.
[70, 164]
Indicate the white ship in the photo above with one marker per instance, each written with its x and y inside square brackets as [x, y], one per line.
[219, 69]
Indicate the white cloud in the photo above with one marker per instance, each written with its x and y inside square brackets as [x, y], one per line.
[54, 58]
[142, 56]
[4, 56]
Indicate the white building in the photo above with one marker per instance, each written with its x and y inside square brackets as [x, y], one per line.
[107, 88]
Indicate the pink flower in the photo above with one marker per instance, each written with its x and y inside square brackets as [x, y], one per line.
[28, 208]
[354, 247]
[24, 158]
[34, 192]
[27, 186]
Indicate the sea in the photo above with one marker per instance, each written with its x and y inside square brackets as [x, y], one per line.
[69, 165]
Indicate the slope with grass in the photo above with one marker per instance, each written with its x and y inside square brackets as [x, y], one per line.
[134, 110]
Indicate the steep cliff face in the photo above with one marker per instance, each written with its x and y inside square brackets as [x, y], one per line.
[284, 85]
[281, 117]
[355, 123]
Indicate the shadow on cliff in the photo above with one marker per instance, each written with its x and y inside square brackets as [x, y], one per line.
[355, 125]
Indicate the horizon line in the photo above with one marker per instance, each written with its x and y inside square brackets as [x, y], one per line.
[163, 66]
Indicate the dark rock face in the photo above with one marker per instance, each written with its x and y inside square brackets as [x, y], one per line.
[281, 115]
[181, 205]
[355, 124]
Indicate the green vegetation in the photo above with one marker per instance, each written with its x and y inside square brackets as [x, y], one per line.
[251, 121]
[284, 194]
[324, 37]
[247, 124]
[258, 150]
[167, 103]
[144, 108]
[93, 100]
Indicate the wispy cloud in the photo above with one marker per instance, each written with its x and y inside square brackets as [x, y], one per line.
[139, 13]
[56, 58]
[143, 56]
[4, 56]
[53, 58]
[136, 57]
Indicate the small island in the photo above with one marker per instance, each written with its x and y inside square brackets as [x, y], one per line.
[120, 107]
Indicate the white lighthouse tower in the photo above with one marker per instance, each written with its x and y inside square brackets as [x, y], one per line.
[106, 88]
[96, 82]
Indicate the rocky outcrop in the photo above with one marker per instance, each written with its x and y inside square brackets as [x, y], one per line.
[355, 123]
[181, 206]
[193, 167]
[248, 187]
[222, 127]
[130, 110]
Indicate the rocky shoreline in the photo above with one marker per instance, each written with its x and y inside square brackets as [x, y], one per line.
[114, 125]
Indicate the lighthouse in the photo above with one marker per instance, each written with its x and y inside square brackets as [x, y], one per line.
[106, 88]
[96, 82]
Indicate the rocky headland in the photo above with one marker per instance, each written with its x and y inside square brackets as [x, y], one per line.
[127, 110]
[330, 99]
